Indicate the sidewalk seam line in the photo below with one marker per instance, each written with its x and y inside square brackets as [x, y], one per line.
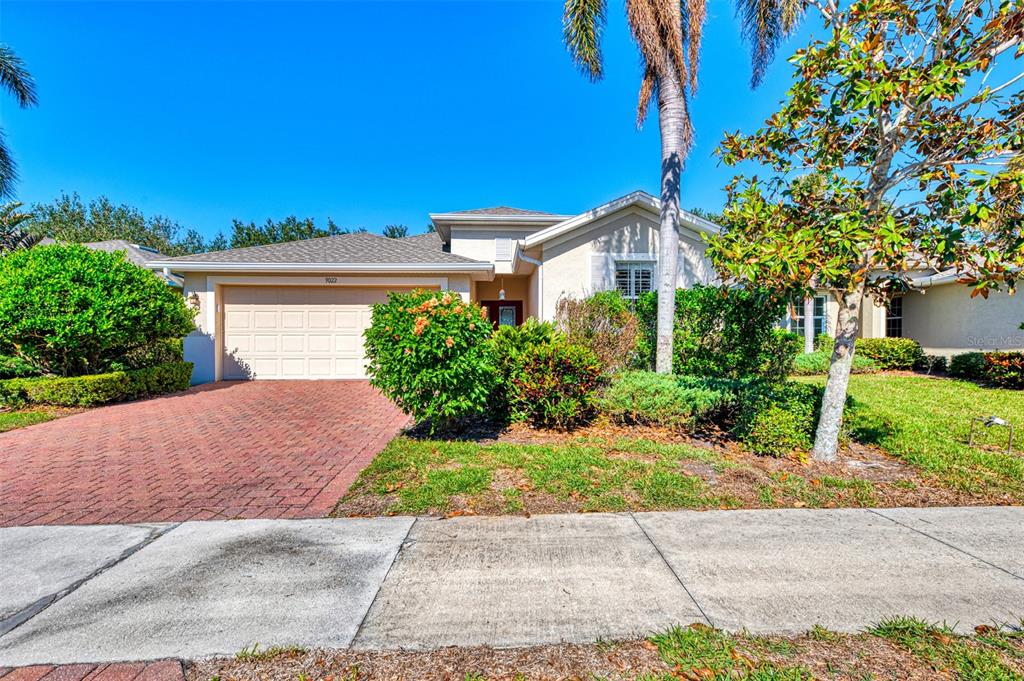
[946, 543]
[670, 568]
[9, 624]
[401, 547]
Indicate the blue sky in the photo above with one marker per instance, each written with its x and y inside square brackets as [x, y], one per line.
[370, 113]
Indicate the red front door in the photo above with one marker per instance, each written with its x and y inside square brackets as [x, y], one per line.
[504, 312]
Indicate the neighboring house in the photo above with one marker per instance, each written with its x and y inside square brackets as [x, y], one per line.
[940, 314]
[140, 255]
[299, 309]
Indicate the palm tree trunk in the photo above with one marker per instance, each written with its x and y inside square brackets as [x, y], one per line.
[672, 120]
[826, 439]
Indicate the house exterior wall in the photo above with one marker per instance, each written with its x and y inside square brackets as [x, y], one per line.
[203, 346]
[945, 320]
[516, 288]
[478, 243]
[585, 263]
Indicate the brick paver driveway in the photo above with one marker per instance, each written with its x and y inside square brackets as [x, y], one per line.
[261, 449]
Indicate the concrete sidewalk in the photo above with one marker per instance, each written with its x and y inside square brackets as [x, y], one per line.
[140, 592]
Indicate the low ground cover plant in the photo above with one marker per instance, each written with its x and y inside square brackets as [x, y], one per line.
[96, 389]
[649, 398]
[817, 363]
[776, 418]
[67, 310]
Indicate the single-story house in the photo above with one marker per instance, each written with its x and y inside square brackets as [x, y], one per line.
[298, 310]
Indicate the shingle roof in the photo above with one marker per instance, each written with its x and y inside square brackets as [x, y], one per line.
[503, 210]
[360, 247]
[135, 253]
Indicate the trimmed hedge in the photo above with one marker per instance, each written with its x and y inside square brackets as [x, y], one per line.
[969, 365]
[817, 363]
[556, 384]
[891, 353]
[88, 391]
[776, 418]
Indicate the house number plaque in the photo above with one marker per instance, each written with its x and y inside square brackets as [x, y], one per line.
[331, 280]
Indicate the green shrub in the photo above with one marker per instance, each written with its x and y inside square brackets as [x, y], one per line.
[969, 365]
[891, 353]
[15, 367]
[604, 323]
[431, 353]
[556, 385]
[91, 390]
[163, 351]
[933, 364]
[781, 353]
[720, 332]
[645, 397]
[776, 418]
[69, 310]
[511, 343]
[816, 363]
[1005, 369]
[824, 343]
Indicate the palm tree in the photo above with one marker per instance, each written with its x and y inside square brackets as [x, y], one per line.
[13, 237]
[19, 82]
[668, 35]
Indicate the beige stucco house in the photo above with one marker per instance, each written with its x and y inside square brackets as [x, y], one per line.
[939, 313]
[298, 310]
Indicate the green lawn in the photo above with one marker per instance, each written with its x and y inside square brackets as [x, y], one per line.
[922, 421]
[926, 422]
[9, 420]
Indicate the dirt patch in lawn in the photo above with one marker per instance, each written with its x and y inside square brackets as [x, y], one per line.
[695, 652]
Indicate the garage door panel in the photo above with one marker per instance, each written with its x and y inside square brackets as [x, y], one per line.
[293, 319]
[296, 332]
[295, 343]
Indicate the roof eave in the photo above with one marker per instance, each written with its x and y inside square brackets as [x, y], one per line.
[637, 198]
[194, 266]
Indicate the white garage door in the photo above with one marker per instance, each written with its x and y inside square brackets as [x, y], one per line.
[296, 332]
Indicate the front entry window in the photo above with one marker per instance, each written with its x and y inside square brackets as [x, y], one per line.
[507, 315]
[796, 319]
[504, 312]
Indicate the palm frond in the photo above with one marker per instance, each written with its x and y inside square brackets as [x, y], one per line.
[8, 169]
[696, 14]
[648, 88]
[12, 236]
[16, 79]
[582, 25]
[765, 23]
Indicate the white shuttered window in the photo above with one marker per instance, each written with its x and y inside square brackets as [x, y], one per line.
[633, 279]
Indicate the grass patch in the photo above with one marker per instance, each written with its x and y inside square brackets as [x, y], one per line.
[431, 476]
[10, 420]
[980, 657]
[254, 653]
[926, 422]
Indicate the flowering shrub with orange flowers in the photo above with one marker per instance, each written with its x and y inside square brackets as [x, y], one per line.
[430, 352]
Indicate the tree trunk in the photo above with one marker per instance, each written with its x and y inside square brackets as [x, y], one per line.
[826, 439]
[672, 120]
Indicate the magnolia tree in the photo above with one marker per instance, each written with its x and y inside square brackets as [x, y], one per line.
[899, 147]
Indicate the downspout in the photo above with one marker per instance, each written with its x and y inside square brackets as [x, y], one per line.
[540, 281]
